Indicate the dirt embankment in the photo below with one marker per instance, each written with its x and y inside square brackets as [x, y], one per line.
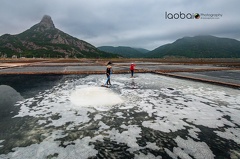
[234, 62]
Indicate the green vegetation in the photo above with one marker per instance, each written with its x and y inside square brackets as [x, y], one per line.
[199, 47]
[127, 52]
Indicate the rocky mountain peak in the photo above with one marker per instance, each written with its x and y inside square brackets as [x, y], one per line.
[44, 39]
[47, 22]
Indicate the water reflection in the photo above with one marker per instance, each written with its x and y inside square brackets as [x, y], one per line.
[9, 96]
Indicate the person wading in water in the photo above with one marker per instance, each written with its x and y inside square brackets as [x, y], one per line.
[108, 73]
[132, 68]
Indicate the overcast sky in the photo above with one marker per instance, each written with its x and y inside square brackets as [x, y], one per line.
[135, 23]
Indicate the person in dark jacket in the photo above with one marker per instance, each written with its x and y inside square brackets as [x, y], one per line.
[108, 73]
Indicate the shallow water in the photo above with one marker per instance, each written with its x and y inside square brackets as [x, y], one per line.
[149, 116]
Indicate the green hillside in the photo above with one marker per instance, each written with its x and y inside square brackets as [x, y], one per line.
[199, 47]
[124, 51]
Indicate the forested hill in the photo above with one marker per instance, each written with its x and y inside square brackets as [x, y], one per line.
[199, 47]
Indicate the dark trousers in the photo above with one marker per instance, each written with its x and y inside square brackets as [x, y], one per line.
[132, 71]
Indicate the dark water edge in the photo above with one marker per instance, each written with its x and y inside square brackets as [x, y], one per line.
[30, 85]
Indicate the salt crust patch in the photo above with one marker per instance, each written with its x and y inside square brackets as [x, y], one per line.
[80, 149]
[170, 153]
[120, 115]
[198, 150]
[97, 117]
[172, 110]
[94, 97]
[197, 105]
[152, 146]
[129, 136]
[193, 133]
[205, 106]
[40, 122]
[199, 108]
[230, 133]
[103, 126]
[68, 103]
[59, 102]
[1, 142]
[148, 156]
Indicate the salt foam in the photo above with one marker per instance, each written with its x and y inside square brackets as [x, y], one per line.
[94, 97]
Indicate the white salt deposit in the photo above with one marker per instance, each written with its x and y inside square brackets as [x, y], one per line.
[49, 147]
[189, 147]
[40, 122]
[79, 103]
[230, 133]
[94, 97]
[181, 153]
[170, 153]
[194, 132]
[0, 143]
[97, 117]
[148, 156]
[103, 126]
[120, 115]
[152, 146]
[199, 150]
[129, 136]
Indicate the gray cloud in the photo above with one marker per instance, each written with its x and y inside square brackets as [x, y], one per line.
[136, 23]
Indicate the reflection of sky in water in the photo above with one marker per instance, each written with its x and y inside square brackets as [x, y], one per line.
[8, 98]
[149, 116]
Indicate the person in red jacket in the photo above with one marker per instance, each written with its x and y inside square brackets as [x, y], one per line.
[132, 67]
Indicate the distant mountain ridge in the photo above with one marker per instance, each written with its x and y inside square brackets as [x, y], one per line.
[199, 47]
[44, 40]
[125, 51]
